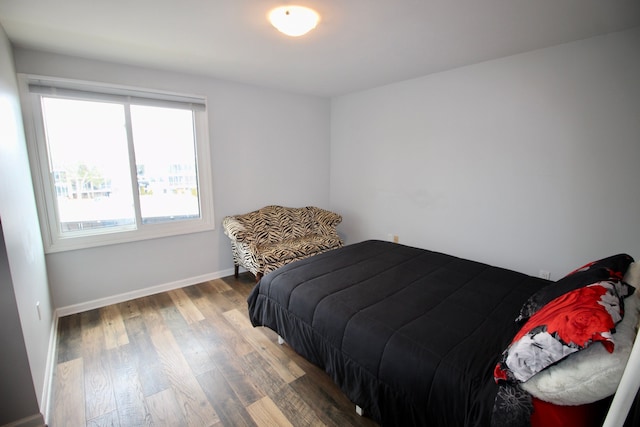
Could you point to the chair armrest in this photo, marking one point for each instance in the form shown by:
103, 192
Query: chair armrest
326, 222
325, 217
235, 230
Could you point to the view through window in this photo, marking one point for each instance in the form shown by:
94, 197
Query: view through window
119, 165
90, 163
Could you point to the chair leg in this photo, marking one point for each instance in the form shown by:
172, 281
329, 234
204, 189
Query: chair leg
237, 270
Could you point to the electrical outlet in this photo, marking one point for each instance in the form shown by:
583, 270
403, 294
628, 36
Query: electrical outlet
544, 274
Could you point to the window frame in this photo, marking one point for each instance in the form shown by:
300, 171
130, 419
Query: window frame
43, 181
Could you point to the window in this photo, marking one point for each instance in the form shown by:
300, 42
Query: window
115, 164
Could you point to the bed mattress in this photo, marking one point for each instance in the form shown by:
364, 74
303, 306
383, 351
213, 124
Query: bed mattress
410, 335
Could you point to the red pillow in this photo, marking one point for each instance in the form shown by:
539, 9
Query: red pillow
565, 325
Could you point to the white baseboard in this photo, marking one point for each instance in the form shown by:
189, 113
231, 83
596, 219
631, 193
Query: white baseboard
33, 421
45, 403
127, 296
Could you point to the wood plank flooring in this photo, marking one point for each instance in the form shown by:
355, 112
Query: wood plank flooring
187, 357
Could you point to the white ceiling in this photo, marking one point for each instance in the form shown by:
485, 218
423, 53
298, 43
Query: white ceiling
358, 44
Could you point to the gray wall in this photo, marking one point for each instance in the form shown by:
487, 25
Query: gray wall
24, 335
267, 147
528, 162
525, 162
17, 395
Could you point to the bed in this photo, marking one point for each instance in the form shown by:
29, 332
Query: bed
411, 336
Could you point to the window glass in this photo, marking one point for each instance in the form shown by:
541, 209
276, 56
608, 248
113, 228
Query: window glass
89, 163
165, 163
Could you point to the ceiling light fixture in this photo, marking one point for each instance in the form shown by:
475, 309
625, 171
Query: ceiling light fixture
294, 21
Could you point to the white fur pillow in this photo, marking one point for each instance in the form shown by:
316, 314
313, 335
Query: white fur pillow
632, 276
593, 373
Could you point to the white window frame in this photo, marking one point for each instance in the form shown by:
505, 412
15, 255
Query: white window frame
43, 183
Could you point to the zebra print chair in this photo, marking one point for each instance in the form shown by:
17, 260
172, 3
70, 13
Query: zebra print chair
273, 236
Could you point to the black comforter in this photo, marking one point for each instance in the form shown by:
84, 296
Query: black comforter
412, 336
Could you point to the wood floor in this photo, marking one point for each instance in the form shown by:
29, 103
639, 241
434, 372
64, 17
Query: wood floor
187, 357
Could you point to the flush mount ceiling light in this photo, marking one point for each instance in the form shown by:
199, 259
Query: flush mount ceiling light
294, 21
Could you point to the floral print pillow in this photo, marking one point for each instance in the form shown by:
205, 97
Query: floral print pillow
567, 324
